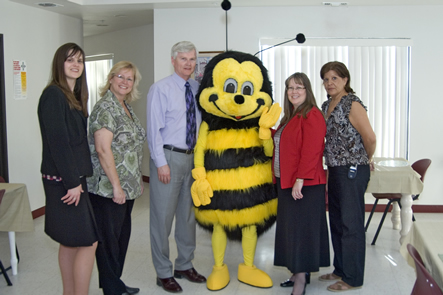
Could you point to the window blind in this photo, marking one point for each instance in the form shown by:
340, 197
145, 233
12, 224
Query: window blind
380, 77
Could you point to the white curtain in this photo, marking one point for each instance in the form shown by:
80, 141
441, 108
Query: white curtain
97, 69
380, 71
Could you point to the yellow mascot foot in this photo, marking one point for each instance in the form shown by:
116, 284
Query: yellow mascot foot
253, 276
219, 278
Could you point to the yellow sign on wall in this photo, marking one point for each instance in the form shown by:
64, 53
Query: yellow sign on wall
20, 80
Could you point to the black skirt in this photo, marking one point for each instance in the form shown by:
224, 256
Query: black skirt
69, 225
301, 236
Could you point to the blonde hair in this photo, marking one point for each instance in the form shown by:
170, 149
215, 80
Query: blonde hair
134, 94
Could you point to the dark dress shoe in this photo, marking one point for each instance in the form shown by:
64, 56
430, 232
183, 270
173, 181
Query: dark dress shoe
169, 285
132, 291
287, 283
190, 274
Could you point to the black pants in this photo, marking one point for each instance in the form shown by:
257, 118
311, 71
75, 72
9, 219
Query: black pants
114, 226
347, 222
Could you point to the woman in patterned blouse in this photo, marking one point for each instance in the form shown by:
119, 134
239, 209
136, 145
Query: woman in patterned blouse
350, 144
116, 139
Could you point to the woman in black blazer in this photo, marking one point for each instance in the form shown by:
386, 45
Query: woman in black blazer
66, 160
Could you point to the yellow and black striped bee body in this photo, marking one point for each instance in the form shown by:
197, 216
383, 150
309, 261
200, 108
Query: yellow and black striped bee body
233, 192
240, 175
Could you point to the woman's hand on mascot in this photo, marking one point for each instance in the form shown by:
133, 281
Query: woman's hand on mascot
267, 120
201, 190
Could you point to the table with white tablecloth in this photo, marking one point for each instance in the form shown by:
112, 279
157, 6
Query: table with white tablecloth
395, 175
427, 238
15, 215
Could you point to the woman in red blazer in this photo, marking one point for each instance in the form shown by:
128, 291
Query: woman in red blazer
301, 238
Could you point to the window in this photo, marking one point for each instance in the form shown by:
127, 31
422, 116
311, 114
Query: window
380, 75
97, 68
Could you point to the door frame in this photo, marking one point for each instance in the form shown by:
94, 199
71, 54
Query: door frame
4, 171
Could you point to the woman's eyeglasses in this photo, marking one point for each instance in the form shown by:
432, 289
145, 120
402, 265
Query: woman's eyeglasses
123, 78
298, 89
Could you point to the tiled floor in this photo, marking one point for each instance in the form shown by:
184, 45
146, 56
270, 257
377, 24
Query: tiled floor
38, 273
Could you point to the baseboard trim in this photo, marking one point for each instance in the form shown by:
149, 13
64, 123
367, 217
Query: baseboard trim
38, 212
415, 208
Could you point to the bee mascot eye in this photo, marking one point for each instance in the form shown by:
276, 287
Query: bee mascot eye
247, 88
233, 191
230, 86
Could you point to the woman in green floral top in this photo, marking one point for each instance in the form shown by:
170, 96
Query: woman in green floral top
116, 139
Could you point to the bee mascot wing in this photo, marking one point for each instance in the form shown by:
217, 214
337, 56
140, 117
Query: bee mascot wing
201, 190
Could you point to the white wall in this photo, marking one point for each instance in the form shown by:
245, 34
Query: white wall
36, 41
206, 29
32, 35
135, 45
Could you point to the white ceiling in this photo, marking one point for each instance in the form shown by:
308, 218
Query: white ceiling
102, 16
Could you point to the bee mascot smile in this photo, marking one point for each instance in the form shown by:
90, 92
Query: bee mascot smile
233, 191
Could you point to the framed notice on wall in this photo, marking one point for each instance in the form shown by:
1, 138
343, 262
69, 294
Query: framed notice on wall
202, 60
20, 82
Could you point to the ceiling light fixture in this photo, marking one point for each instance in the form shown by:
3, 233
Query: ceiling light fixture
49, 4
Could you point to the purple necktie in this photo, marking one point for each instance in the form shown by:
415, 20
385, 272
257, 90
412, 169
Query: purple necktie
191, 125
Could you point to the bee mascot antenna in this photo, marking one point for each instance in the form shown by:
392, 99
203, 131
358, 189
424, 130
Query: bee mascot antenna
226, 5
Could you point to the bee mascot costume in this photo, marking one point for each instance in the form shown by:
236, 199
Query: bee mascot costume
233, 191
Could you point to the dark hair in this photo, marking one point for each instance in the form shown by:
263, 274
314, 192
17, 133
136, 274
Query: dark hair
306, 106
341, 70
79, 98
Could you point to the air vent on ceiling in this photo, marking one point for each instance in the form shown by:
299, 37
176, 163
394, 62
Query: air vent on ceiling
335, 4
102, 24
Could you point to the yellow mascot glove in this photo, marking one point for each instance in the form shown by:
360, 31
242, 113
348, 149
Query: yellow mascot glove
268, 120
201, 190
